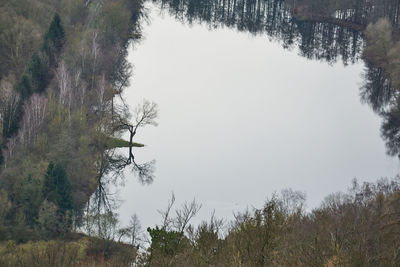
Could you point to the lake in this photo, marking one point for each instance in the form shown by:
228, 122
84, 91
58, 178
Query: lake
241, 118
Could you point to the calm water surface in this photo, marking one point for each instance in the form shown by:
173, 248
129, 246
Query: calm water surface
242, 118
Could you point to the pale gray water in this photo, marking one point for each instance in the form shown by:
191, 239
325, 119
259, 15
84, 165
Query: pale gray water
240, 118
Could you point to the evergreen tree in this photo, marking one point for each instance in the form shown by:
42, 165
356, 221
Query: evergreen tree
64, 194
24, 87
57, 188
49, 186
38, 72
35, 79
58, 200
54, 40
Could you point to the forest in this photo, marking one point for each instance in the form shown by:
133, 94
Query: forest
63, 119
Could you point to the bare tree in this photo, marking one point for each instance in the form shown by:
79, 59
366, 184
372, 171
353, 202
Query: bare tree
10, 107
182, 216
6, 88
79, 90
144, 171
34, 115
165, 214
95, 54
185, 214
64, 85
135, 230
101, 88
10, 148
144, 114
292, 201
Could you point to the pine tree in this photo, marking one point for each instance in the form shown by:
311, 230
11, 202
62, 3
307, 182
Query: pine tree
35, 79
49, 186
38, 72
54, 40
24, 87
57, 188
64, 194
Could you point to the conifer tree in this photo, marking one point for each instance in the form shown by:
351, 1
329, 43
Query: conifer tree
24, 87
64, 194
49, 186
38, 72
57, 188
54, 40
35, 79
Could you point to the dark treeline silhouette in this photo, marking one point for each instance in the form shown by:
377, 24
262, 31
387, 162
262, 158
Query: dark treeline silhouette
321, 29
360, 12
315, 40
354, 228
377, 89
331, 31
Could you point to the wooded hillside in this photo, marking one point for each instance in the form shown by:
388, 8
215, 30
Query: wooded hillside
63, 64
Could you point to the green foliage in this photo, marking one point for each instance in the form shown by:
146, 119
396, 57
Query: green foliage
57, 188
117, 143
164, 242
55, 35
49, 185
30, 197
115, 22
24, 87
40, 67
5, 206
36, 78
356, 228
38, 70
51, 253
56, 210
19, 38
48, 219
72, 143
44, 198
54, 40
74, 12
62, 254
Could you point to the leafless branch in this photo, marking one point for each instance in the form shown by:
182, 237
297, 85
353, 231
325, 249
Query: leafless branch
34, 115
165, 213
184, 215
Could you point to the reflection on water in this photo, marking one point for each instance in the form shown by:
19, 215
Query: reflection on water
315, 40
241, 117
377, 90
322, 30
